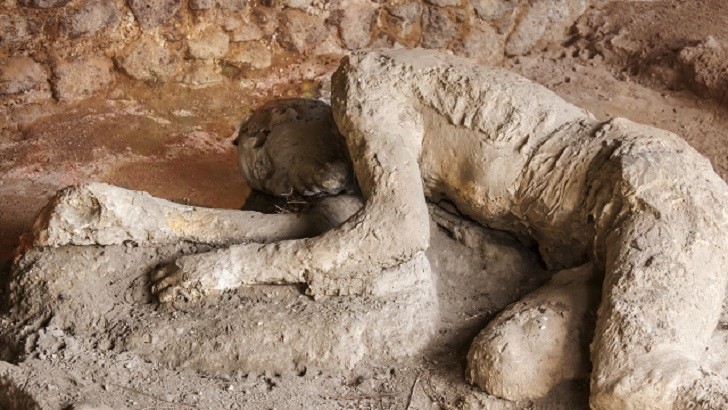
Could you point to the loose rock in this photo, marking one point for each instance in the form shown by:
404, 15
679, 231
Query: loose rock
266, 18
705, 67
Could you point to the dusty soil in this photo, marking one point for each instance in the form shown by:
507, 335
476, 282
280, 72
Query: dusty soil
175, 142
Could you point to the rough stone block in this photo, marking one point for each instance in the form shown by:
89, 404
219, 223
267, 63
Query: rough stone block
444, 3
91, 18
409, 12
493, 9
541, 20
153, 13
202, 4
402, 21
438, 29
223, 4
14, 30
247, 32
209, 46
81, 78
148, 60
253, 54
203, 75
267, 19
232, 4
298, 4
301, 32
354, 20
22, 74
43, 4
482, 43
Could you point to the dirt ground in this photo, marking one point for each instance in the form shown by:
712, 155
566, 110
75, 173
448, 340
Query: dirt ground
621, 59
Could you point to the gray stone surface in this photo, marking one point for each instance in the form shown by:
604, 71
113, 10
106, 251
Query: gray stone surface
106, 215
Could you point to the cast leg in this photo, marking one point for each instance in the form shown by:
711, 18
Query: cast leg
539, 341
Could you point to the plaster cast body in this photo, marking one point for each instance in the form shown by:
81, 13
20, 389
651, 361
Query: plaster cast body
638, 202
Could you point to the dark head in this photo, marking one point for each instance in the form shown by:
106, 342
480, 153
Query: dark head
293, 147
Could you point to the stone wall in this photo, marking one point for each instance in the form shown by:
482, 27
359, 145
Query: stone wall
67, 50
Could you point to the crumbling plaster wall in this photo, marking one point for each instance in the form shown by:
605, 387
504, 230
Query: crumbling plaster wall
67, 50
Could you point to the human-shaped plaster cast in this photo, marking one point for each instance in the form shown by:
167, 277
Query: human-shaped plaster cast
639, 203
